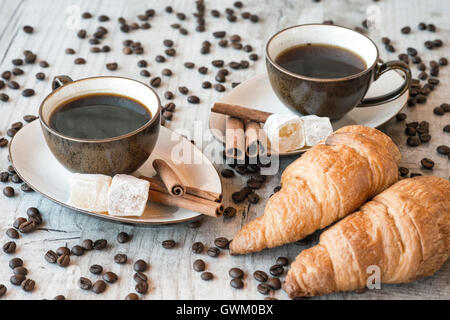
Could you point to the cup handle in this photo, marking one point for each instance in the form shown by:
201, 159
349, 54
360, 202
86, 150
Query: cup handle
380, 69
59, 81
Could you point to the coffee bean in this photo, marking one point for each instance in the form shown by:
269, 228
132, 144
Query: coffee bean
168, 244
96, 269
77, 250
112, 66
11, 132
189, 65
197, 247
20, 270
155, 82
427, 163
120, 258
110, 277
236, 273
207, 276
100, 244
141, 287
403, 171
51, 256
217, 63
263, 288
213, 252
445, 150
203, 70
17, 72
219, 34
9, 247
99, 286
4, 176
406, 30
12, 233
87, 244
400, 116
223, 43
431, 27
132, 296
260, 276
4, 97
13, 85
219, 87
229, 213
62, 251
253, 198
28, 29
140, 266
82, 34
274, 283
446, 128
17, 279
59, 297
139, 277
15, 262
145, 73
413, 141
438, 111
166, 72
63, 261
123, 237
443, 61
438, 43
221, 242
199, 265
415, 175
170, 52
424, 138
193, 99
84, 283
183, 90
237, 283
17, 62
3, 290
227, 173
276, 270
410, 131
283, 261
16, 179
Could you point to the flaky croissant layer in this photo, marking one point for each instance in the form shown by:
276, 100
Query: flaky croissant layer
328, 182
404, 233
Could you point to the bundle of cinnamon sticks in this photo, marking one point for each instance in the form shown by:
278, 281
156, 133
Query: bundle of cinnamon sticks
171, 191
243, 132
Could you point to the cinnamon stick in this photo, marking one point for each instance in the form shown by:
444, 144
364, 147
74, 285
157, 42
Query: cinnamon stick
169, 177
255, 139
235, 138
240, 112
207, 207
193, 191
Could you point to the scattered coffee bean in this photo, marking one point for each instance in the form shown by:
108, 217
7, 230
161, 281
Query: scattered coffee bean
274, 283
4, 176
96, 269
110, 277
427, 163
438, 111
140, 266
236, 273
4, 97
263, 288
28, 29
400, 116
237, 283
155, 82
62, 251
15, 262
141, 287
20, 270
123, 237
100, 244
120, 258
219, 87
283, 261
424, 138
189, 65
443, 61
199, 265
207, 276
403, 171
260, 276
193, 99
17, 279
51, 256
406, 30
112, 66
197, 247
139, 277
12, 233
276, 270
9, 247
221, 242
445, 150
63, 261
132, 296
79, 61
253, 198
99, 286
87, 244
84, 283
168, 244
213, 252
413, 141
77, 250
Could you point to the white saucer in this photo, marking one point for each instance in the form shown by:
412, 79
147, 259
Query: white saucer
37, 166
257, 93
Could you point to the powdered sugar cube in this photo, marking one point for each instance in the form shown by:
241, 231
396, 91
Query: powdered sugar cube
89, 191
127, 196
316, 129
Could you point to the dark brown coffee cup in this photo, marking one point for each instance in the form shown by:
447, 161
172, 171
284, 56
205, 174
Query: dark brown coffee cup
331, 98
122, 154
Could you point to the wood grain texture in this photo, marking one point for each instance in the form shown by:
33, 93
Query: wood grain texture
170, 273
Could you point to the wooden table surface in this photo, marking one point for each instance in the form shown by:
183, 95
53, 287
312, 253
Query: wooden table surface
171, 275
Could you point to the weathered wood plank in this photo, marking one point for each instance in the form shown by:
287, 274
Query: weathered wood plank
171, 275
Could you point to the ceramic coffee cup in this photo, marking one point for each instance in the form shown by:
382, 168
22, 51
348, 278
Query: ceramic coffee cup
122, 154
331, 98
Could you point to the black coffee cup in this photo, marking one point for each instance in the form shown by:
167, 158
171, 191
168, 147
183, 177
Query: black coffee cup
334, 97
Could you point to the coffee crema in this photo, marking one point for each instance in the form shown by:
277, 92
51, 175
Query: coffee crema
321, 61
99, 116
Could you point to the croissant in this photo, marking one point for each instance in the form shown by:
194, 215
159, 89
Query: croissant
328, 182
404, 231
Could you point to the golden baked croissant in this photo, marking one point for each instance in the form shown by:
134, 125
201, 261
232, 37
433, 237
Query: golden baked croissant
328, 182
404, 231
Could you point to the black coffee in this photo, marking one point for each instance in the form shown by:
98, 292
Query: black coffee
321, 61
99, 116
